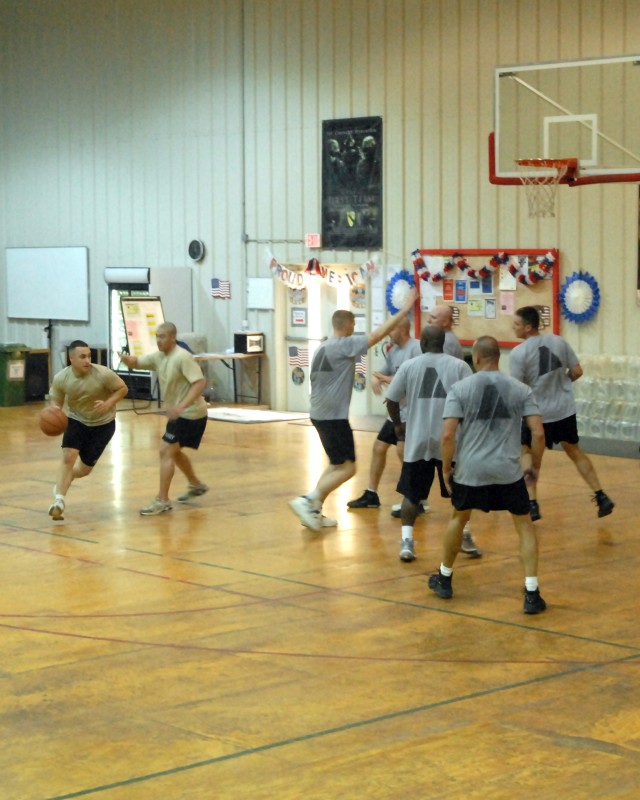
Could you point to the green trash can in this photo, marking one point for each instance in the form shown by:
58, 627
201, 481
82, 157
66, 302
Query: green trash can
13, 358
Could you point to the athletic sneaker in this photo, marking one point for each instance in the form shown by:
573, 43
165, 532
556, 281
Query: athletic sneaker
534, 510
327, 522
441, 585
156, 507
605, 504
309, 516
193, 491
533, 603
56, 509
367, 499
469, 547
407, 550
395, 510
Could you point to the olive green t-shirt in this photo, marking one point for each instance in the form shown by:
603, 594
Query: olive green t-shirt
79, 393
176, 370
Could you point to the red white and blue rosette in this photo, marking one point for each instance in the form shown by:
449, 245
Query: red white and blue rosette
398, 290
579, 297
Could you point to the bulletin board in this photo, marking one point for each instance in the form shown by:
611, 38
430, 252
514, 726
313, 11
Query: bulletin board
142, 316
486, 287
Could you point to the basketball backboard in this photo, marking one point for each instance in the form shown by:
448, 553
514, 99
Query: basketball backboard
584, 109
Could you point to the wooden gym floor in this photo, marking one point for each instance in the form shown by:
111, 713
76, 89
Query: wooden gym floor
221, 651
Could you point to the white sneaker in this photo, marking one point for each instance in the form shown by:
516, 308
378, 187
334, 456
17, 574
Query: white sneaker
309, 516
407, 550
193, 491
56, 509
156, 507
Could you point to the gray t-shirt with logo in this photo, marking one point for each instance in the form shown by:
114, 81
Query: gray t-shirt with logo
425, 382
490, 406
332, 374
452, 345
542, 362
394, 360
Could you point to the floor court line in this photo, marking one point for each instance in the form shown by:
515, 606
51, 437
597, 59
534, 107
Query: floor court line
337, 730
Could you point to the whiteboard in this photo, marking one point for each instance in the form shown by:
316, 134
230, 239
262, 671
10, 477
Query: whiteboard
141, 315
48, 283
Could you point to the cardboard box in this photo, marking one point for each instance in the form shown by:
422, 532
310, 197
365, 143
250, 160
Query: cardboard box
247, 342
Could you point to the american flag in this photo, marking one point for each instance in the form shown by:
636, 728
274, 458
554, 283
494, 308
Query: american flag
361, 364
220, 288
298, 356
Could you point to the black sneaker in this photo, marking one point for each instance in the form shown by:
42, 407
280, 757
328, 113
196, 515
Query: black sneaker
441, 585
367, 499
533, 603
396, 511
534, 510
605, 504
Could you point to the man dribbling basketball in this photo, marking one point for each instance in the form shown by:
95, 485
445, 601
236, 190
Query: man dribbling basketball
91, 392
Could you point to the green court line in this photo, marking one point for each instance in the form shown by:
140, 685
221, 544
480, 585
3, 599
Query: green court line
350, 726
391, 601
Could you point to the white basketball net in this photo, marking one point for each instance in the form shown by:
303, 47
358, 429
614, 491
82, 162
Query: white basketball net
541, 190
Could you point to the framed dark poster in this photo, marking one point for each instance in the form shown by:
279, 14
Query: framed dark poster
352, 184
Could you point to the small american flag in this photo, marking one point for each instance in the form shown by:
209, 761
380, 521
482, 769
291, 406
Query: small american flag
220, 288
361, 365
298, 357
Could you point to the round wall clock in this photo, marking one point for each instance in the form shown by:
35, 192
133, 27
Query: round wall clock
196, 250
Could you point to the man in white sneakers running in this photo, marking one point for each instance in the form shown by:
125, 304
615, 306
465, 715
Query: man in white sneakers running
332, 375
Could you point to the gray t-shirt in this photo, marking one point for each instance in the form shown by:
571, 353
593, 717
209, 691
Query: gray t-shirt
332, 374
452, 346
490, 406
542, 362
425, 382
395, 358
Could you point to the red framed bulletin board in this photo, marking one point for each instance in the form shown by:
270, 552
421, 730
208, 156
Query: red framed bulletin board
486, 287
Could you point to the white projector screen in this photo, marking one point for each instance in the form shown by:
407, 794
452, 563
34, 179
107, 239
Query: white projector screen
48, 283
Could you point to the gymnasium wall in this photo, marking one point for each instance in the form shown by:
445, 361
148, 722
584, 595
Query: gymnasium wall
133, 127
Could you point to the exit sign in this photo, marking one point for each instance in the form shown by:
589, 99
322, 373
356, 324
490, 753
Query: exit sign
312, 240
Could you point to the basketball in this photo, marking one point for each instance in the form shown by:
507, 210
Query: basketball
53, 421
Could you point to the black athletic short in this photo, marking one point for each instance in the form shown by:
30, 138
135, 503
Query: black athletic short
512, 497
564, 430
417, 477
89, 440
337, 439
185, 432
388, 433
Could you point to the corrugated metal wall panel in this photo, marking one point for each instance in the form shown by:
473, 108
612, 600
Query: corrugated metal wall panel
134, 127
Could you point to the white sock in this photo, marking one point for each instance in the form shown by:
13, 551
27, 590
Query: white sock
314, 497
373, 491
448, 571
531, 583
407, 532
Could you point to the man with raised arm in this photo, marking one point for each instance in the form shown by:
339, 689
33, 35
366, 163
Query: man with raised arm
332, 375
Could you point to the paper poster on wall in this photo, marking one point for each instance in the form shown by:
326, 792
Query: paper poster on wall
299, 317
490, 308
508, 282
448, 290
475, 307
461, 291
507, 300
142, 316
352, 183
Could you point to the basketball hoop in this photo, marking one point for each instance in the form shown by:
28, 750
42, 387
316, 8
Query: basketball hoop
542, 189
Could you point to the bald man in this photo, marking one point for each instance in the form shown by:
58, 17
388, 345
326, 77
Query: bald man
181, 384
442, 316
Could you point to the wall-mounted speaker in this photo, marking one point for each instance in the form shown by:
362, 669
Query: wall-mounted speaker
36, 375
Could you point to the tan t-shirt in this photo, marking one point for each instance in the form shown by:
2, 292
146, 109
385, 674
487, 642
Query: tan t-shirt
176, 370
79, 393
